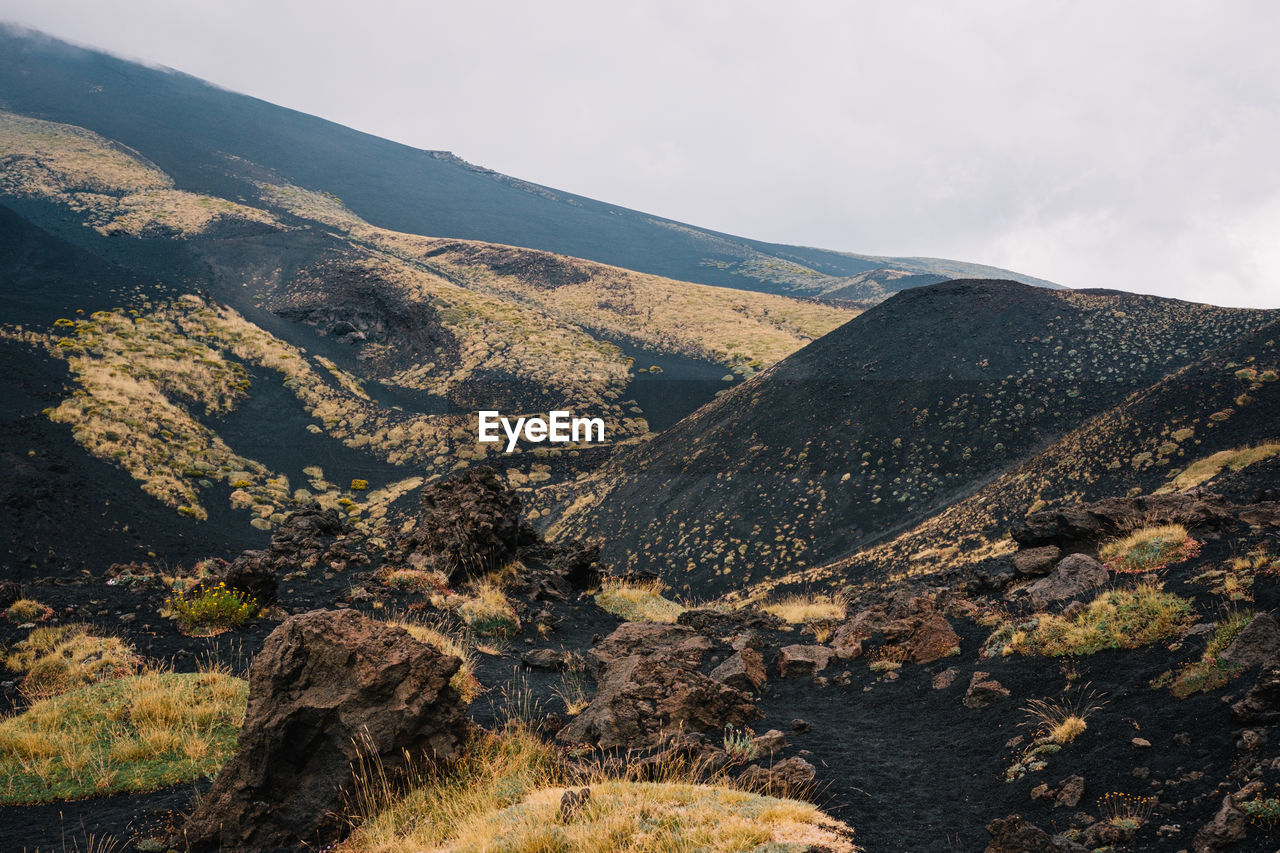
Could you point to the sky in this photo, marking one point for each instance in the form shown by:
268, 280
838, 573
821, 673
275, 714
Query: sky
1130, 145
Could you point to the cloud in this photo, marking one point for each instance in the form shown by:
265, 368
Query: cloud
1095, 144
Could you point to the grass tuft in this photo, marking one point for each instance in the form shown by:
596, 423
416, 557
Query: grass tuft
1149, 549
638, 601
1204, 470
797, 609
26, 610
62, 657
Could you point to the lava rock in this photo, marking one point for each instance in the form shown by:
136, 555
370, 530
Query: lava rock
1228, 826
983, 691
1033, 562
1074, 575
1261, 705
324, 682
800, 661
743, 669
640, 698
1258, 643
1015, 834
648, 638
544, 659
470, 525
932, 638
791, 778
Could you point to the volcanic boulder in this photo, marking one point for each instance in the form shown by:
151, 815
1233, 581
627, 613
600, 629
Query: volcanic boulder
1074, 575
328, 688
649, 685
470, 525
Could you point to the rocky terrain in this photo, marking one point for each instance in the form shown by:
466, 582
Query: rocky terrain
878, 556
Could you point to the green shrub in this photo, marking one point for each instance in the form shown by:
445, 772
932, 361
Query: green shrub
212, 610
1119, 619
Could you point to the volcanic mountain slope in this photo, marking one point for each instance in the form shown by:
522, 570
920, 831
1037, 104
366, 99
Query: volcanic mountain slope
268, 351
915, 404
212, 141
1194, 428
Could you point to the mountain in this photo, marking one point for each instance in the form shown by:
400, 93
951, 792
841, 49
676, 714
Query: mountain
904, 411
216, 142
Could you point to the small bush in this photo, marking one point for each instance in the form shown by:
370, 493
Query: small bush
638, 601
212, 610
1119, 619
417, 580
60, 658
359, 485
1149, 549
26, 610
738, 745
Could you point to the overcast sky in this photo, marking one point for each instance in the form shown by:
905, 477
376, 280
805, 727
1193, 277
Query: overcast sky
1098, 144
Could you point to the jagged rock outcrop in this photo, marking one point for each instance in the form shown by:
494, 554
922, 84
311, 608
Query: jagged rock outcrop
744, 670
649, 685
800, 661
309, 537
1077, 528
1258, 643
327, 688
470, 525
793, 777
1261, 705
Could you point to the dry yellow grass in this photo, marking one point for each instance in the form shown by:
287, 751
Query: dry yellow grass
740, 329
798, 609
638, 601
1148, 549
26, 610
486, 609
1203, 470
137, 733
115, 188
505, 795
62, 657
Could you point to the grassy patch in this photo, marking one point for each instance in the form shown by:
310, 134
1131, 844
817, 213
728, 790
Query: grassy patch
506, 795
1119, 619
487, 610
1209, 672
137, 733
1149, 549
797, 609
62, 657
1203, 470
638, 601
